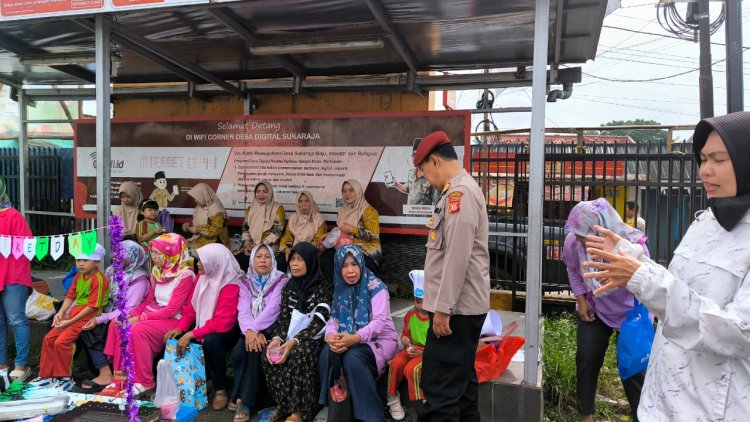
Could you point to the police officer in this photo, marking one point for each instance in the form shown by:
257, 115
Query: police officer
456, 286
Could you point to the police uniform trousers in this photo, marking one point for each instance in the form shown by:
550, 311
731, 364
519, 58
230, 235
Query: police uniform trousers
449, 380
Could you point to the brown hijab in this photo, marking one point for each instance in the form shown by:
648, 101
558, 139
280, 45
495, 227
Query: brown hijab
208, 204
260, 217
129, 214
352, 213
302, 226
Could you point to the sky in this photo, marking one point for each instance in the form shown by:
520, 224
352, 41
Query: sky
632, 56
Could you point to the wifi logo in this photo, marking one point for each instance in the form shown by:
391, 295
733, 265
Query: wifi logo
93, 158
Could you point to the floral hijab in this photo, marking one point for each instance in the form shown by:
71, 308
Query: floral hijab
135, 267
352, 303
258, 284
174, 250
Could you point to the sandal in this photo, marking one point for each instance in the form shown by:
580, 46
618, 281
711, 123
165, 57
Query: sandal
88, 387
233, 406
242, 414
16, 375
322, 416
220, 400
275, 415
294, 417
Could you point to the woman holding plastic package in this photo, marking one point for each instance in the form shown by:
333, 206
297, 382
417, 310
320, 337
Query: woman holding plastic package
358, 220
599, 316
699, 367
291, 361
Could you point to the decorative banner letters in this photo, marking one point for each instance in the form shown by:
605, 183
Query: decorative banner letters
5, 242
89, 242
29, 247
75, 245
42, 247
57, 247
17, 247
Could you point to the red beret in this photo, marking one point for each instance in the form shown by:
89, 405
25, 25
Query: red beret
428, 144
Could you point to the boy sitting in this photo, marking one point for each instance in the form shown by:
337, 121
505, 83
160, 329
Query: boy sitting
408, 362
85, 299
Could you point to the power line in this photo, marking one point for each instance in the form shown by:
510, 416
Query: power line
653, 33
640, 107
663, 77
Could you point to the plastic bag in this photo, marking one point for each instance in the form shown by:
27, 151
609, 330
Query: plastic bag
167, 398
331, 238
634, 341
40, 307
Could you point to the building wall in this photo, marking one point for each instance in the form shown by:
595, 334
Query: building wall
354, 102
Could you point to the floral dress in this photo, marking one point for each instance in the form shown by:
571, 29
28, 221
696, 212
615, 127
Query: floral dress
295, 384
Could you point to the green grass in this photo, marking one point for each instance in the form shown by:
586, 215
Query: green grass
559, 352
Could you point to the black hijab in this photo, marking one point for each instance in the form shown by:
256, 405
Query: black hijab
301, 288
734, 130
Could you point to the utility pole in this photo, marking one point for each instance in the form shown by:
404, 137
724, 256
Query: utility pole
706, 81
733, 30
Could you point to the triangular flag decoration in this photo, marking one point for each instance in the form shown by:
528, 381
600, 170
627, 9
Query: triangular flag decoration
89, 242
29, 247
42, 247
56, 247
17, 247
5, 246
75, 246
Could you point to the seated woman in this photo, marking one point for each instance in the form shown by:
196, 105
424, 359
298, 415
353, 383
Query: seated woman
265, 220
358, 220
305, 225
172, 282
292, 376
360, 335
130, 199
94, 334
259, 308
209, 223
213, 309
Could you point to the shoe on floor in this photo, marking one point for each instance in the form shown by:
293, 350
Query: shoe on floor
16, 375
63, 384
42, 382
395, 408
112, 390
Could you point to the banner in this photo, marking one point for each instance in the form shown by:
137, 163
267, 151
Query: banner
231, 154
40, 246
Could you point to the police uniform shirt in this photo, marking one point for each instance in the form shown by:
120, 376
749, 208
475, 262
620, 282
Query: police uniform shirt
457, 279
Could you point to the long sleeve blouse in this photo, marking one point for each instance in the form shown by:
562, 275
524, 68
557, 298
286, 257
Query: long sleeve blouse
271, 307
380, 334
137, 290
224, 318
150, 308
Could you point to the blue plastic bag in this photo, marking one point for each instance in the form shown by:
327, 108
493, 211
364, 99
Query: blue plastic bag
634, 341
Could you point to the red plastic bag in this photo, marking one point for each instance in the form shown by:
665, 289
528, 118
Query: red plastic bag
492, 360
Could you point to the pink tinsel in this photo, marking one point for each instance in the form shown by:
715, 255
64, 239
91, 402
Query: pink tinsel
118, 256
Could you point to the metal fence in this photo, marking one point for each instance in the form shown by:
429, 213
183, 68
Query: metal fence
665, 185
44, 189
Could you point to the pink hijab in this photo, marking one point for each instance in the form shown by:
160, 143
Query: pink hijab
221, 269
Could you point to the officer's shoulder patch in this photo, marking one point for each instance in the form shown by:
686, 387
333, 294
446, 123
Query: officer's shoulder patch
454, 202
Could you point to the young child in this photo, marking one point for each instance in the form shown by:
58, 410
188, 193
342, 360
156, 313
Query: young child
148, 227
86, 299
408, 362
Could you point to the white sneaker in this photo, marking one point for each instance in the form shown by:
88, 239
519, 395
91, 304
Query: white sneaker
63, 384
394, 406
42, 382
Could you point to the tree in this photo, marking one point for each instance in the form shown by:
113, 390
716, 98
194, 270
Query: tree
649, 136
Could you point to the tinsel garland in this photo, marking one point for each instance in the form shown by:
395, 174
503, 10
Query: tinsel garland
116, 232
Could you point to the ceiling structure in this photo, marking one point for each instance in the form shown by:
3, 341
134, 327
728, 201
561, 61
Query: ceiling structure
304, 46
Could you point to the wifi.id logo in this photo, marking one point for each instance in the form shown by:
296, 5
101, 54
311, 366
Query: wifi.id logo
93, 158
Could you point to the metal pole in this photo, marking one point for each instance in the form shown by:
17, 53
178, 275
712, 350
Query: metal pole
536, 192
23, 154
706, 80
735, 90
103, 150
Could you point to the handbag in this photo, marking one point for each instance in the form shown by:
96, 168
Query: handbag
189, 373
634, 341
39, 306
339, 399
300, 321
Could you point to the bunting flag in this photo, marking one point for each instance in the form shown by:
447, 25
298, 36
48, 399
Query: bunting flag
57, 247
29, 247
75, 246
42, 247
88, 242
54, 246
5, 246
